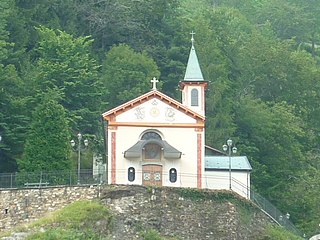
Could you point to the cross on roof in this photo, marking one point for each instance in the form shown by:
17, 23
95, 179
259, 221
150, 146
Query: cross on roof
192, 38
154, 82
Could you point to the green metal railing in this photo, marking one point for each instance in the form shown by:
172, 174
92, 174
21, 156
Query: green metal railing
44, 179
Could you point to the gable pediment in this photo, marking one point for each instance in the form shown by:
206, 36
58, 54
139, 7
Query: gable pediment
154, 107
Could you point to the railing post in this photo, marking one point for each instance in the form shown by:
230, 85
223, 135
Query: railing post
11, 183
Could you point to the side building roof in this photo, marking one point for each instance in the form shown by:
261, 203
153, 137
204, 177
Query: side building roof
238, 163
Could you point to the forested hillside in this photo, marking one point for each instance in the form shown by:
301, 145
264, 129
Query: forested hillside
63, 63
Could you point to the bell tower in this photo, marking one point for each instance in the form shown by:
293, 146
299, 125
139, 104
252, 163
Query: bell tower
193, 85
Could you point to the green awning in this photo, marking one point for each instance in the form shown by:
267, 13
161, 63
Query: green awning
169, 152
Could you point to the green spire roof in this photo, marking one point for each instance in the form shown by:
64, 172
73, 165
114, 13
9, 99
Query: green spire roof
193, 71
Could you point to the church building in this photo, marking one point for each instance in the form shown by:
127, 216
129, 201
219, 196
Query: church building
156, 140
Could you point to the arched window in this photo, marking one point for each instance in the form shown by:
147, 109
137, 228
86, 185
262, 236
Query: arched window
151, 135
131, 174
173, 175
194, 97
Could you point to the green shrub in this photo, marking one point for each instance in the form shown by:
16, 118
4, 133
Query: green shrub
279, 233
151, 235
82, 211
64, 234
75, 221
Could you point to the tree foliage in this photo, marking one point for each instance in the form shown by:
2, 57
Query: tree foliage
47, 147
127, 74
65, 63
261, 58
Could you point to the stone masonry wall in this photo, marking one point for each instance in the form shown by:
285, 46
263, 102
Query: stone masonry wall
24, 205
138, 208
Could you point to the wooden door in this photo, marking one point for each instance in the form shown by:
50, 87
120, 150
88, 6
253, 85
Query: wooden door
152, 175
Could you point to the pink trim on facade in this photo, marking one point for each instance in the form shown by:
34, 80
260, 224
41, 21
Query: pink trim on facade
202, 99
199, 160
113, 157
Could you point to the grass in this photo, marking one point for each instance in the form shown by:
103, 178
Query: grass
80, 220
75, 214
65, 234
279, 233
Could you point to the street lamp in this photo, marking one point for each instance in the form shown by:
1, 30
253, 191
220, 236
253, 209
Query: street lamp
287, 215
79, 149
229, 147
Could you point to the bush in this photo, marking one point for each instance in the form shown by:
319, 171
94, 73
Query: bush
279, 233
64, 234
151, 235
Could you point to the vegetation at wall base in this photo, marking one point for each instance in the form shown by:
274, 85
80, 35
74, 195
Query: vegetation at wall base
76, 221
216, 195
279, 233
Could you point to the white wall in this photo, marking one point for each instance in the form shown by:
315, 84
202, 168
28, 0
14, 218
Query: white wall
186, 98
240, 181
126, 137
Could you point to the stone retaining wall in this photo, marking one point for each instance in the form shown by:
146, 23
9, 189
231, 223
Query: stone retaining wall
24, 205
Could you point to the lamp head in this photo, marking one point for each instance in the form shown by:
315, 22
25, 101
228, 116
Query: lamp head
72, 142
229, 142
234, 150
86, 142
225, 147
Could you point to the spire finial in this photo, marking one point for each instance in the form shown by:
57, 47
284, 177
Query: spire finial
154, 82
192, 38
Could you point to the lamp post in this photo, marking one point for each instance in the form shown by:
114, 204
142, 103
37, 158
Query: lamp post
229, 147
79, 149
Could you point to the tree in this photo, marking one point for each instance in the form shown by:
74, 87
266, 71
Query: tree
303, 198
12, 118
270, 135
65, 63
47, 147
127, 74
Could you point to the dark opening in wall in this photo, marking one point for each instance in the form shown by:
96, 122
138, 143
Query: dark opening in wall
173, 175
131, 174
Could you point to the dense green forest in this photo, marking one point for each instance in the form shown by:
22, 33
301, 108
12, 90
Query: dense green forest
63, 63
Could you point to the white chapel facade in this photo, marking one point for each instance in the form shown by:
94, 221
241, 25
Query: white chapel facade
156, 140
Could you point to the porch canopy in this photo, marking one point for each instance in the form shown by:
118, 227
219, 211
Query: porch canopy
169, 152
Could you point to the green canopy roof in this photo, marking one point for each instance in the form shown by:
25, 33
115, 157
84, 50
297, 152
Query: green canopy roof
169, 152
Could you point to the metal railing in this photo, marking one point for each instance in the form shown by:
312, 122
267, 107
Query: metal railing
43, 179
276, 215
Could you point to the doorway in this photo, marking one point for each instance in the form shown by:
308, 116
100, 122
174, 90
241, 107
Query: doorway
152, 175
152, 167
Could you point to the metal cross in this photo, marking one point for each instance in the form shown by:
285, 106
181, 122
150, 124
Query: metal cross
154, 82
192, 38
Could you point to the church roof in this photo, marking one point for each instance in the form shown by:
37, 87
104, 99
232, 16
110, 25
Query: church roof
238, 163
147, 96
210, 151
193, 71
